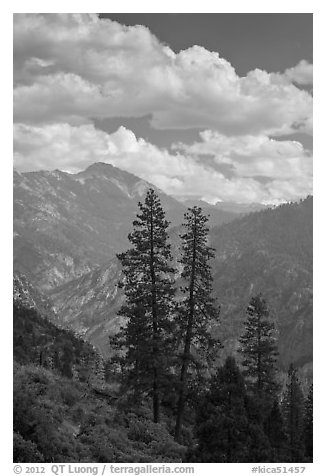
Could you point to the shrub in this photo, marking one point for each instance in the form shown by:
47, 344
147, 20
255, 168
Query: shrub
25, 451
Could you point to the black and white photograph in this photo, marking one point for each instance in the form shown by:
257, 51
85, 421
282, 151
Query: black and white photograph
162, 240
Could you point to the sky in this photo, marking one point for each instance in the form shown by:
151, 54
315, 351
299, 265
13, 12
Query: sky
216, 106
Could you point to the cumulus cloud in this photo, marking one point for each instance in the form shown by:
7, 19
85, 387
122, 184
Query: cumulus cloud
77, 67
302, 73
254, 156
70, 69
73, 148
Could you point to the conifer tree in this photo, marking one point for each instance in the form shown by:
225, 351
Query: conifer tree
134, 350
259, 351
197, 309
149, 289
274, 429
308, 425
293, 411
226, 428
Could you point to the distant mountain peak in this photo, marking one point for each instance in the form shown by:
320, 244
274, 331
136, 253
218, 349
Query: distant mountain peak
104, 169
66, 224
131, 185
97, 167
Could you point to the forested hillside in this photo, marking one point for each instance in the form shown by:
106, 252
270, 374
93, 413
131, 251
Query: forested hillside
205, 373
268, 251
64, 410
70, 406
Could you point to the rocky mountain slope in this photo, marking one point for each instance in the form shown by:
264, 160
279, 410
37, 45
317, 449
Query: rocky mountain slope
66, 225
27, 296
268, 252
89, 304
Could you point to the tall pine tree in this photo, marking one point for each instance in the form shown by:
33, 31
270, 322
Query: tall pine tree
149, 289
197, 309
293, 411
308, 425
259, 351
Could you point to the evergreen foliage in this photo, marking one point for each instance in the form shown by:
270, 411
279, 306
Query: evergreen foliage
275, 431
38, 341
259, 351
197, 310
269, 252
69, 405
59, 420
293, 411
308, 425
227, 428
148, 286
25, 451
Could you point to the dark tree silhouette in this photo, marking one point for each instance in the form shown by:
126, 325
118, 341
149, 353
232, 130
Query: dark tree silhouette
149, 291
259, 351
308, 425
227, 427
274, 429
293, 411
197, 310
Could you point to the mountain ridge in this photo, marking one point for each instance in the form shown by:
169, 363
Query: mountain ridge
66, 225
69, 227
243, 266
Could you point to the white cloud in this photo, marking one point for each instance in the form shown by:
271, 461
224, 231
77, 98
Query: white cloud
254, 156
73, 148
72, 68
302, 73
77, 67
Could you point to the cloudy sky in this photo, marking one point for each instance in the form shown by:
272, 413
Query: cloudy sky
217, 106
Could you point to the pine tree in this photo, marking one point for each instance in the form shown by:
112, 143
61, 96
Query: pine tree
308, 425
259, 351
274, 429
226, 426
293, 411
197, 310
134, 342
149, 291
